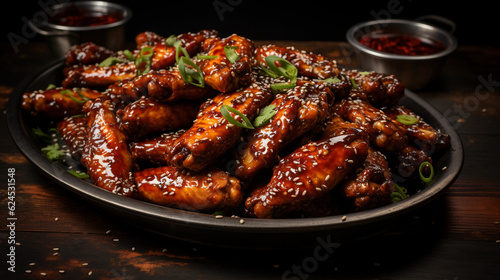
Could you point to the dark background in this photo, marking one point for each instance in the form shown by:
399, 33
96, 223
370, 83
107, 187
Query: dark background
280, 20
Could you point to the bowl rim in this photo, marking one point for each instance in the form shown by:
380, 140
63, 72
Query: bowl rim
350, 36
127, 15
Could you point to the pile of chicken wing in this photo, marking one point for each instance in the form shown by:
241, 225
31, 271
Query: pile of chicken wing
145, 129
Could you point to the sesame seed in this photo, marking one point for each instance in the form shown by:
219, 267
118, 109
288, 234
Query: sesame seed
43, 273
27, 271
242, 221
61, 271
344, 218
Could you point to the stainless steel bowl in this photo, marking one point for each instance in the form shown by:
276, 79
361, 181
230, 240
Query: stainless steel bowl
61, 37
415, 72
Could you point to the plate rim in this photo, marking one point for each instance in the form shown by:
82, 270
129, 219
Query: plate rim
185, 218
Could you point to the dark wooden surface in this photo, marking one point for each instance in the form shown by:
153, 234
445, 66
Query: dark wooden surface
457, 236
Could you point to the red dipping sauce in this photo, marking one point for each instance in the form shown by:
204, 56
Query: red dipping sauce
74, 16
402, 45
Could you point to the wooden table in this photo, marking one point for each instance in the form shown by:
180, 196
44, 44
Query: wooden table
457, 236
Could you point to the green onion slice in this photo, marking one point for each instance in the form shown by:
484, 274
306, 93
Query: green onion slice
192, 73
130, 56
277, 87
399, 193
353, 82
333, 80
110, 61
170, 41
224, 110
70, 94
179, 49
143, 62
81, 175
286, 68
407, 119
202, 56
51, 86
265, 115
231, 53
424, 179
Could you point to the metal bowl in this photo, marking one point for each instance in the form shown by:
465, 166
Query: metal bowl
414, 71
61, 37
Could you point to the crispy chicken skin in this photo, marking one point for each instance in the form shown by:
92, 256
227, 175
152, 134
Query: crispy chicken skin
208, 191
211, 134
381, 90
306, 174
154, 150
385, 135
299, 110
57, 102
73, 131
308, 64
421, 134
220, 73
146, 117
86, 54
106, 155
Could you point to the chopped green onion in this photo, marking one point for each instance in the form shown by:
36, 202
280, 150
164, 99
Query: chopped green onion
407, 119
130, 56
268, 72
81, 175
170, 41
225, 113
333, 80
70, 94
110, 61
143, 62
50, 86
265, 115
424, 179
399, 193
231, 53
353, 82
42, 136
286, 68
364, 73
179, 49
191, 73
201, 56
277, 87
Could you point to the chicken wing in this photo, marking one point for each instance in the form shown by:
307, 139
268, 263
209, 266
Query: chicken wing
211, 134
106, 155
421, 133
154, 150
209, 191
385, 135
146, 117
381, 90
99, 77
220, 73
308, 64
306, 174
57, 102
298, 111
86, 54
73, 131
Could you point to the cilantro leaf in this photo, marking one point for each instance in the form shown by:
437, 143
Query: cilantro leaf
53, 152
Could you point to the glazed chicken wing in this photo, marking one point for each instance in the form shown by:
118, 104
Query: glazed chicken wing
421, 133
86, 54
73, 131
308, 64
381, 90
306, 174
95, 76
145, 117
298, 111
211, 134
220, 73
106, 155
385, 135
155, 150
209, 191
57, 102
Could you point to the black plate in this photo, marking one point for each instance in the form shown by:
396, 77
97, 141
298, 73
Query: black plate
228, 231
